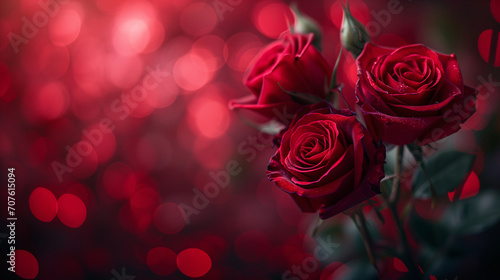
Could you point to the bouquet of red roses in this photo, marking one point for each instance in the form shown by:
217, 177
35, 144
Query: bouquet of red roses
337, 156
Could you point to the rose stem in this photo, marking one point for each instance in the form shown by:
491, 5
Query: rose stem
396, 183
316, 227
393, 201
367, 240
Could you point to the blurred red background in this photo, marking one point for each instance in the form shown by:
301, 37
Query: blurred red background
113, 113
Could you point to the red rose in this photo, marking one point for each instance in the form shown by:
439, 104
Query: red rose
411, 94
296, 65
327, 160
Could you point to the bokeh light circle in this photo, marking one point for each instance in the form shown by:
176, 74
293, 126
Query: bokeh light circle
88, 68
272, 19
399, 265
143, 109
46, 103
144, 202
83, 192
53, 61
495, 9
135, 28
209, 117
156, 34
83, 158
485, 42
102, 138
164, 95
198, 19
71, 210
168, 218
131, 36
191, 72
122, 71
43, 204
64, 27
119, 181
212, 48
52, 101
241, 49
194, 262
215, 246
162, 261
26, 265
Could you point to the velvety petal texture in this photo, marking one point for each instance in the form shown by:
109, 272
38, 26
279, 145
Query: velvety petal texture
411, 94
327, 160
290, 64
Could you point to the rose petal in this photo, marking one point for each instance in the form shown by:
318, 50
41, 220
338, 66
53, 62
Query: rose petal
367, 189
451, 70
340, 167
263, 64
278, 111
402, 53
397, 130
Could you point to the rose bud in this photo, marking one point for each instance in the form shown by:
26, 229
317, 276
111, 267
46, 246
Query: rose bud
327, 160
306, 25
288, 74
353, 34
411, 94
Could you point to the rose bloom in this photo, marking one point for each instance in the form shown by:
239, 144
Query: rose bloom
290, 64
411, 94
327, 160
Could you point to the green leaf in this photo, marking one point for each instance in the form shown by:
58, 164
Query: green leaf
316, 227
428, 232
464, 217
333, 232
418, 154
272, 127
443, 267
333, 79
473, 215
386, 189
445, 241
446, 171
360, 269
301, 98
390, 159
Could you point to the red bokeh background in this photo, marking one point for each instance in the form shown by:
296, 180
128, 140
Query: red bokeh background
113, 113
